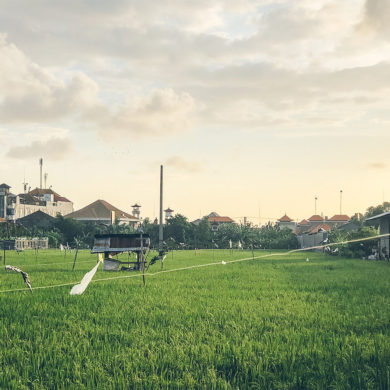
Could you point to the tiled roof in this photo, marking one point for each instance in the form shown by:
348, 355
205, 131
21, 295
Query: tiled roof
304, 222
340, 218
2, 220
100, 209
220, 219
168, 210
4, 186
285, 218
315, 218
316, 228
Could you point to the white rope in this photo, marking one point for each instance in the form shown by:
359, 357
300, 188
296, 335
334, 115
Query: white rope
206, 265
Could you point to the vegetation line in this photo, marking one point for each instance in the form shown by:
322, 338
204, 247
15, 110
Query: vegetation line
204, 265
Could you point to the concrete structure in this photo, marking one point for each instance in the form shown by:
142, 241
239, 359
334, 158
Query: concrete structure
101, 211
136, 210
168, 213
314, 236
13, 207
383, 221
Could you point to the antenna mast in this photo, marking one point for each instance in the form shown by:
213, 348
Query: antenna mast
40, 172
341, 201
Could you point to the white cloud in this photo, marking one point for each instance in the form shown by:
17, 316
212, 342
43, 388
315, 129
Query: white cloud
30, 93
53, 148
184, 165
162, 112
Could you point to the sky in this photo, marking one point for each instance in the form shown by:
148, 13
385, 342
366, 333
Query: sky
254, 108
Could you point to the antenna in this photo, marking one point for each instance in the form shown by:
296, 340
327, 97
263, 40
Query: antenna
315, 205
40, 172
45, 177
341, 201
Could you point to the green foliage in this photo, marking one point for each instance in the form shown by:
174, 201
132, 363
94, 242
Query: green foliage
277, 322
375, 210
354, 249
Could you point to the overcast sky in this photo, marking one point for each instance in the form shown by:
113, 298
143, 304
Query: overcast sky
253, 107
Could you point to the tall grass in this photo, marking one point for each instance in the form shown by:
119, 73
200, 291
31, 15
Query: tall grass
272, 323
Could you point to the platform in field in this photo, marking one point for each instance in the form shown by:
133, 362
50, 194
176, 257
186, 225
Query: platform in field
117, 243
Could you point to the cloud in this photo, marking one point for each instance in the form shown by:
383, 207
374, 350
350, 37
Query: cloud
376, 18
162, 112
53, 148
377, 165
30, 93
179, 163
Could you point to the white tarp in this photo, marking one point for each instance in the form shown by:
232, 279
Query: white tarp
78, 289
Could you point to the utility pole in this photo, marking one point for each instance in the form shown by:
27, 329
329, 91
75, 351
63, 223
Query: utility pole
315, 205
160, 228
40, 172
341, 201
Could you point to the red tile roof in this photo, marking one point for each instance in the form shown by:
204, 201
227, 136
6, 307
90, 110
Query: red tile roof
2, 220
316, 228
340, 218
304, 222
220, 219
285, 218
316, 218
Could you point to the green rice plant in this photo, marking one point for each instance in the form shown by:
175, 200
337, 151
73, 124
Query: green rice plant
272, 322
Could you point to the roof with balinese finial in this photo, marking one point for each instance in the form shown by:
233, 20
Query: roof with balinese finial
285, 218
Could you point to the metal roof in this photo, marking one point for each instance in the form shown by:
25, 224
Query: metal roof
378, 216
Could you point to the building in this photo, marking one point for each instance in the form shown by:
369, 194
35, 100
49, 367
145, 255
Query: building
168, 213
286, 222
338, 220
38, 219
216, 221
383, 221
311, 236
101, 211
13, 207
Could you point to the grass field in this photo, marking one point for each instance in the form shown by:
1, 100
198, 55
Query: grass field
275, 322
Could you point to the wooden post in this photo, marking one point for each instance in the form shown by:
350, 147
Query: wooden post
75, 257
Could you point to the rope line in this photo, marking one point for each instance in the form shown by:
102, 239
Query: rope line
202, 265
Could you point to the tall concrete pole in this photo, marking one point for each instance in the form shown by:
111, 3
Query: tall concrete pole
40, 172
341, 201
160, 229
315, 206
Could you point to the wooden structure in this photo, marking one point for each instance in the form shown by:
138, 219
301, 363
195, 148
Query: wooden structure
113, 244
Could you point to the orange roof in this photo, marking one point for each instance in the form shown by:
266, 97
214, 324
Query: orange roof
2, 220
304, 222
340, 217
220, 219
315, 218
285, 218
316, 228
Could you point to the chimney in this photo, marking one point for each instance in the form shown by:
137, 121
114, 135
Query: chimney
45, 176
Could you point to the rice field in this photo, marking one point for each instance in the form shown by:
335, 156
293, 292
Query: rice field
276, 322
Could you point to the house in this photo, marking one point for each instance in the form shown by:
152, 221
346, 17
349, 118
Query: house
337, 220
38, 219
311, 236
13, 207
286, 222
216, 221
383, 221
101, 211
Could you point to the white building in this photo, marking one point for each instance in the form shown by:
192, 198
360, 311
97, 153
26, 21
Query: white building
13, 207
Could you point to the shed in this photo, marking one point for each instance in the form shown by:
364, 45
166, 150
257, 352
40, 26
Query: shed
383, 221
